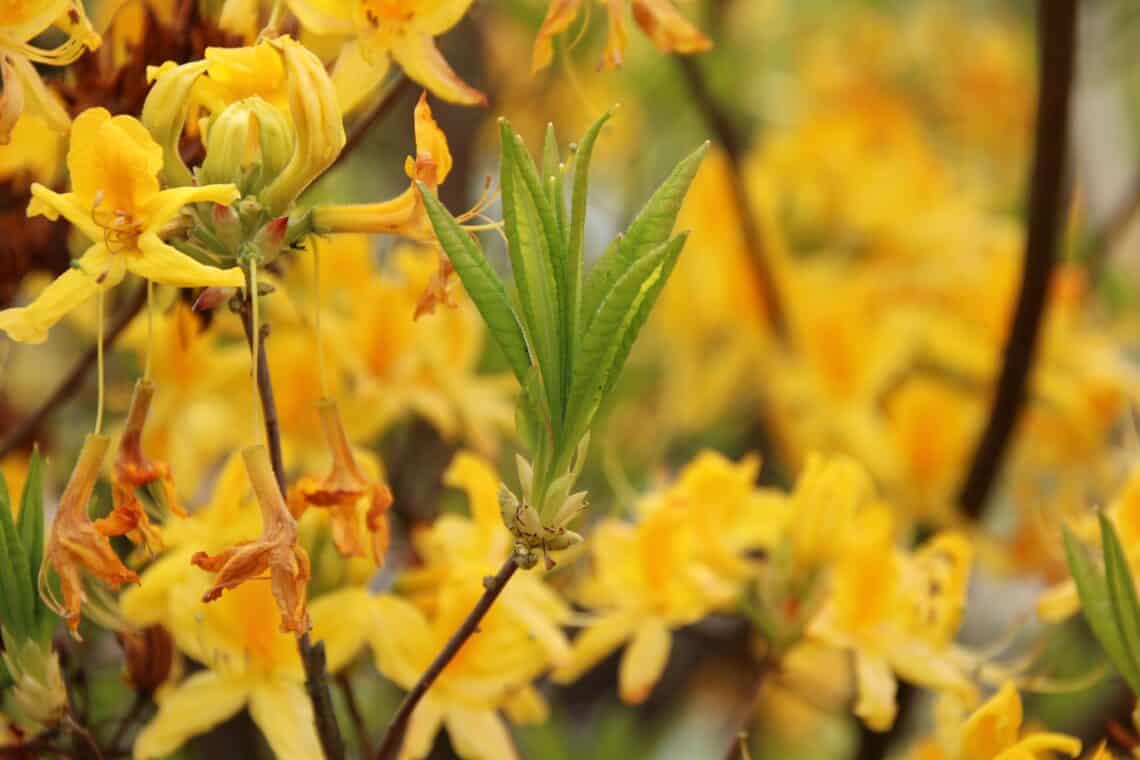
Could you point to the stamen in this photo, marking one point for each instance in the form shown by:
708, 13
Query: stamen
99, 359
317, 322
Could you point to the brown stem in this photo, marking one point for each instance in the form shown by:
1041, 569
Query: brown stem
1057, 29
129, 718
363, 126
71, 382
737, 747
716, 119
362, 741
87, 746
312, 655
493, 586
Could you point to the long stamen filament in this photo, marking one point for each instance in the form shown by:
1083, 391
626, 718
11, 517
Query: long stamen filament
99, 360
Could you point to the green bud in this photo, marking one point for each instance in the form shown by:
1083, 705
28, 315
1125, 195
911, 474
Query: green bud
248, 144
38, 693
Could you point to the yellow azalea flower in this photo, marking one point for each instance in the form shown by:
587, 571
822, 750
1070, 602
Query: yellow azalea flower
995, 732
372, 32
493, 671
249, 663
659, 19
404, 215
20, 22
679, 562
457, 548
897, 613
116, 202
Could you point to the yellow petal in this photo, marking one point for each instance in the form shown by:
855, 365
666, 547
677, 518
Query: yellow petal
559, 16
475, 476
422, 728
166, 205
1059, 602
436, 17
668, 29
431, 141
1042, 744
30, 324
113, 161
357, 80
24, 20
193, 707
158, 262
53, 205
284, 713
601, 637
644, 661
324, 17
875, 686
526, 706
37, 98
422, 61
995, 725
342, 620
617, 37
479, 734
401, 641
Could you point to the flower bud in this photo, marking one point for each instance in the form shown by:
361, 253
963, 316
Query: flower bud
248, 144
164, 114
318, 128
38, 691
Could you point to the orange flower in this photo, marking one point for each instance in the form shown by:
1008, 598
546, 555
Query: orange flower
75, 544
275, 552
342, 491
134, 470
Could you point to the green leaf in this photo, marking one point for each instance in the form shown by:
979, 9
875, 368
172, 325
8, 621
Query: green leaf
612, 329
1098, 610
576, 244
650, 228
1121, 591
648, 301
528, 248
482, 284
18, 611
31, 523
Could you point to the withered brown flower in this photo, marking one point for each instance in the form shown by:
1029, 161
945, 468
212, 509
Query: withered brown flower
276, 551
133, 470
341, 492
75, 545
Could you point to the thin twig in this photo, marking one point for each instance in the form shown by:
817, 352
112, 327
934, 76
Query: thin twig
717, 120
1057, 25
91, 747
362, 740
74, 379
363, 126
493, 586
312, 655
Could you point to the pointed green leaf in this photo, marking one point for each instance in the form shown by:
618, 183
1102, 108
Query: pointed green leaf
1121, 591
31, 522
530, 259
482, 284
1096, 607
18, 611
618, 313
629, 335
577, 235
650, 228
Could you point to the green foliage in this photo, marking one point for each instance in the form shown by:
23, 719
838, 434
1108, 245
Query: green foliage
566, 334
1109, 602
23, 612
